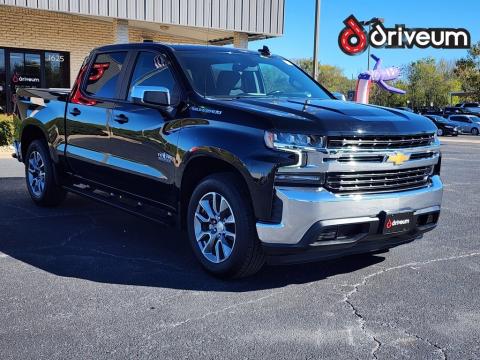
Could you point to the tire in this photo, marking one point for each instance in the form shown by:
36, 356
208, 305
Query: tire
39, 175
210, 236
475, 131
440, 132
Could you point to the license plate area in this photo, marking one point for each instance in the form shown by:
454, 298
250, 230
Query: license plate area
396, 223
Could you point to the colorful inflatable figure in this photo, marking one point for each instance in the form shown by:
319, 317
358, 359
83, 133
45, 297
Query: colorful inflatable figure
378, 76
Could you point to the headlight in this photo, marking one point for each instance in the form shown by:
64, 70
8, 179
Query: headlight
285, 141
300, 179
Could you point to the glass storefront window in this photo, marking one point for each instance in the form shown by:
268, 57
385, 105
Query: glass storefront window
21, 68
56, 75
32, 66
16, 63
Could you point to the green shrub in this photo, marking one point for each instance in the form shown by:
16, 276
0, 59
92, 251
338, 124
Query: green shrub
6, 130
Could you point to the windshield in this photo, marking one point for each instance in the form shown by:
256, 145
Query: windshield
233, 74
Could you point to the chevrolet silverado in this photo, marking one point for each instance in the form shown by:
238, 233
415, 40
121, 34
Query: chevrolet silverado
255, 159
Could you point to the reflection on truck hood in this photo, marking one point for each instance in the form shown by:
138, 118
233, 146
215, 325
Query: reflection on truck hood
334, 117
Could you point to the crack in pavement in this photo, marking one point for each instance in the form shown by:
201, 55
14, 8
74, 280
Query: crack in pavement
413, 265
209, 314
418, 337
428, 342
361, 319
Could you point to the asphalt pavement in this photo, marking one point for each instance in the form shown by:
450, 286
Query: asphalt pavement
85, 281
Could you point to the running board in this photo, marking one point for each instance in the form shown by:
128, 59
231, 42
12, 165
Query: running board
128, 204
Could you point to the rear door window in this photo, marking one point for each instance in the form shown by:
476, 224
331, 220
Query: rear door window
104, 76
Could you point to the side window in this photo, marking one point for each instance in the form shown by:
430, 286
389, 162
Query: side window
154, 70
233, 79
105, 74
455, 118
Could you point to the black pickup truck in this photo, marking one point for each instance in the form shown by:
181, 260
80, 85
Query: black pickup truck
256, 160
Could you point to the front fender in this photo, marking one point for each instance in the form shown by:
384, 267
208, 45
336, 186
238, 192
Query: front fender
240, 146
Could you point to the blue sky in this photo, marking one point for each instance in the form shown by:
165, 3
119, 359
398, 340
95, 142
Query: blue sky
297, 41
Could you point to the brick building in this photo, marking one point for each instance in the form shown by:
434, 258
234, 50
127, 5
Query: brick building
44, 42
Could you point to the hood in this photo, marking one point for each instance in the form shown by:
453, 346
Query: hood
333, 117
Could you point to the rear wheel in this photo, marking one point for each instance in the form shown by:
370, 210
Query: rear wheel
475, 131
39, 176
440, 132
221, 227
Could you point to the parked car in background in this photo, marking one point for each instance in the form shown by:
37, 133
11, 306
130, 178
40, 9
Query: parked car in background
430, 111
444, 126
471, 107
467, 124
404, 108
452, 110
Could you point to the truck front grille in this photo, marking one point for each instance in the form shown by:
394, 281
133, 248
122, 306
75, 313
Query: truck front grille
379, 142
378, 181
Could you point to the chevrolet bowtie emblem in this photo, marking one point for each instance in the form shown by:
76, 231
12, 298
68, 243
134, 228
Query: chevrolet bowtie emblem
398, 158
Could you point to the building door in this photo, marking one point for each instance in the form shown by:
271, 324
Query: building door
24, 71
3, 83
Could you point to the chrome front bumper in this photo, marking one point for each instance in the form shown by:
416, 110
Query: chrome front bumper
306, 207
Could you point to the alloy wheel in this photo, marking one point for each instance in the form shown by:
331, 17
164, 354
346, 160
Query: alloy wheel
215, 229
36, 173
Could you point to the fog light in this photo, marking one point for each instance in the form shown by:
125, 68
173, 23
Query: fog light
328, 234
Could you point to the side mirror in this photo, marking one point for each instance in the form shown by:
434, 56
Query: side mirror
154, 95
339, 96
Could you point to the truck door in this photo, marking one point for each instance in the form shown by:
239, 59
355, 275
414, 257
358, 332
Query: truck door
88, 116
144, 139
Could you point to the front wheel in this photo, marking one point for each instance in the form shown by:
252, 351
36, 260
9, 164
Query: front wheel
475, 131
221, 227
40, 178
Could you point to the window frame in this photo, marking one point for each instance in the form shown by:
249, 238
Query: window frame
125, 88
121, 76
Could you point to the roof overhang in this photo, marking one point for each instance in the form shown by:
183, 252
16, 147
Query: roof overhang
214, 21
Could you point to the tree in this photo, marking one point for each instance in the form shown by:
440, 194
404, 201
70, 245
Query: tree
426, 81
381, 97
430, 82
468, 72
329, 76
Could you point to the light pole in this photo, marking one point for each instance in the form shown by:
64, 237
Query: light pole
316, 39
369, 23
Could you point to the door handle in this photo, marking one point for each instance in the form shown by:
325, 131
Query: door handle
121, 119
75, 112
